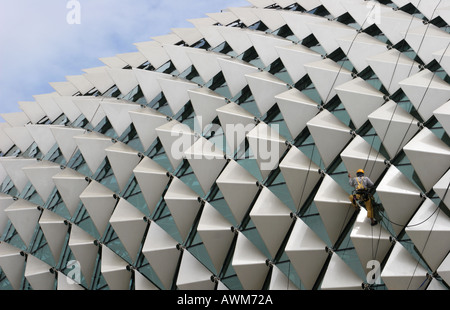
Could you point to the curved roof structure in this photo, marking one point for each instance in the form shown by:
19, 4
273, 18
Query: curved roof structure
216, 157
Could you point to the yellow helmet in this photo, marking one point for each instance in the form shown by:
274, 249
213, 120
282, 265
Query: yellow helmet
360, 171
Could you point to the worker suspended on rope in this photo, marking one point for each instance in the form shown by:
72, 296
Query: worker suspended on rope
361, 194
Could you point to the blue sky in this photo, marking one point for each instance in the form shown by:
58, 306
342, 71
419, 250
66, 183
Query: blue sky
39, 46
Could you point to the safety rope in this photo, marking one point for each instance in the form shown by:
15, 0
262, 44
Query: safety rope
393, 113
389, 86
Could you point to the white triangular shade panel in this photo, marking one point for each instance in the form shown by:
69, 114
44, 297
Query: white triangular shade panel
441, 188
267, 146
245, 15
189, 35
100, 78
5, 142
15, 119
271, 18
442, 58
299, 23
395, 23
402, 271
279, 281
176, 138
64, 138
297, 110
214, 229
426, 91
20, 136
394, 126
427, 39
152, 179
301, 175
38, 274
236, 122
206, 63
371, 242
125, 80
264, 87
429, 231
68, 107
99, 201
326, 75
117, 112
392, 67
85, 251
359, 99
43, 136
146, 120
113, 62
272, 219
322, 30
70, 185
444, 269
360, 47
235, 71
92, 146
334, 207
64, 283
237, 38
335, 8
123, 160
175, 91
238, 187
365, 14
205, 102
153, 52
340, 276
65, 88
359, 154
308, 5
193, 275
24, 215
206, 161
12, 264
329, 134
294, 57
141, 283
429, 156
149, 172
81, 83
32, 110
170, 38
265, 45
114, 270
183, 204
40, 175
178, 56
307, 253
442, 114
161, 252
48, 105
128, 223
400, 198
148, 81
91, 109
5, 202
209, 32
133, 59
54, 230
249, 264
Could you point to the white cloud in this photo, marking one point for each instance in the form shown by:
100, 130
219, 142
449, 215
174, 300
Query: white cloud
38, 45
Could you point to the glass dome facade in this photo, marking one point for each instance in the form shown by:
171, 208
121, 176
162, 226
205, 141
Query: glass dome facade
217, 157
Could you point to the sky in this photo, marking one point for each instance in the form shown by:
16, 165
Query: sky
43, 41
